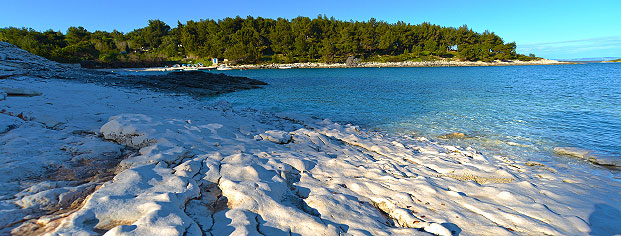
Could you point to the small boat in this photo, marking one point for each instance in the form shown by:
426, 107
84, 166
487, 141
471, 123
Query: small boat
223, 67
284, 67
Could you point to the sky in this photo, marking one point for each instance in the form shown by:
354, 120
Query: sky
548, 28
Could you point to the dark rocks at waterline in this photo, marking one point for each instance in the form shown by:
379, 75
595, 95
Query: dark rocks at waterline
572, 151
587, 155
608, 162
195, 83
16, 63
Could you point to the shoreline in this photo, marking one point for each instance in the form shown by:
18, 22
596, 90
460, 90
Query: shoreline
185, 160
438, 63
126, 160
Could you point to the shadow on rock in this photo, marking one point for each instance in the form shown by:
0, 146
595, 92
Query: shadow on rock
605, 220
455, 230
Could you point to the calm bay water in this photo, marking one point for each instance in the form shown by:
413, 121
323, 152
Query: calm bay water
516, 111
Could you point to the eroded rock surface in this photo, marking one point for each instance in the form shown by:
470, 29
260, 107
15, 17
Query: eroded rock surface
225, 180
48, 172
87, 159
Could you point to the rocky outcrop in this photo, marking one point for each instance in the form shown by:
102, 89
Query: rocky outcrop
352, 61
18, 62
47, 172
196, 83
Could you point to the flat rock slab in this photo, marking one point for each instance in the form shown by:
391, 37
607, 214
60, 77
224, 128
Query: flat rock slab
606, 161
18, 92
16, 61
587, 155
196, 83
572, 151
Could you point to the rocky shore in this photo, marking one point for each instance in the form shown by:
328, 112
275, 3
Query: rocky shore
100, 158
195, 83
439, 63
17, 62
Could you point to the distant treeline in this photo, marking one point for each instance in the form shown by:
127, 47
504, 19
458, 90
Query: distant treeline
259, 40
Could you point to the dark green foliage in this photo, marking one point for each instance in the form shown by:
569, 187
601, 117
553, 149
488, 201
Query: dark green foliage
260, 40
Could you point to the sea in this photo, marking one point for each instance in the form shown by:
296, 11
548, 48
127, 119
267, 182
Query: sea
517, 112
521, 112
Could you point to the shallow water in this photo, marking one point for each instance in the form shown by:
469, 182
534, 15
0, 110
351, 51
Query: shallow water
517, 111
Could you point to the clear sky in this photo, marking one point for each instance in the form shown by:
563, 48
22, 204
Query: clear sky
548, 28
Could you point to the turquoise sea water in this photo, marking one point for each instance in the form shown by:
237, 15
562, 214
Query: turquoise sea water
521, 112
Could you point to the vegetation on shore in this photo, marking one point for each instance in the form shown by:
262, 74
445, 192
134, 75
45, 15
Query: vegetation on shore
259, 40
615, 60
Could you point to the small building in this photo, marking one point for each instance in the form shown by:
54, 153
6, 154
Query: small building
214, 61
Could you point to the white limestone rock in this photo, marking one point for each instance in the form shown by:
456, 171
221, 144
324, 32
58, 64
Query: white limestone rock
129, 129
58, 196
8, 123
275, 136
38, 167
147, 200
210, 176
20, 92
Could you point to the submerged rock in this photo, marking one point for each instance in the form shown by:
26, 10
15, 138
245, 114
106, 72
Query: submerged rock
453, 135
587, 155
534, 163
572, 151
606, 161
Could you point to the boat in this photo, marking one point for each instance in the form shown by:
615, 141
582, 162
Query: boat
223, 67
284, 67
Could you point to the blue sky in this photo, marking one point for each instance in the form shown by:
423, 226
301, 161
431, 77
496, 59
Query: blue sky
548, 28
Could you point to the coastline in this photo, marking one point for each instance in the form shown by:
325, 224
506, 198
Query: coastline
438, 63
135, 161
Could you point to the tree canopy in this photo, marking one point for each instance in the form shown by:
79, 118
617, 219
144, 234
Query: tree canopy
260, 40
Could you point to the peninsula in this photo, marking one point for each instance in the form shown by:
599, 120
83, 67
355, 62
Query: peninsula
262, 41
